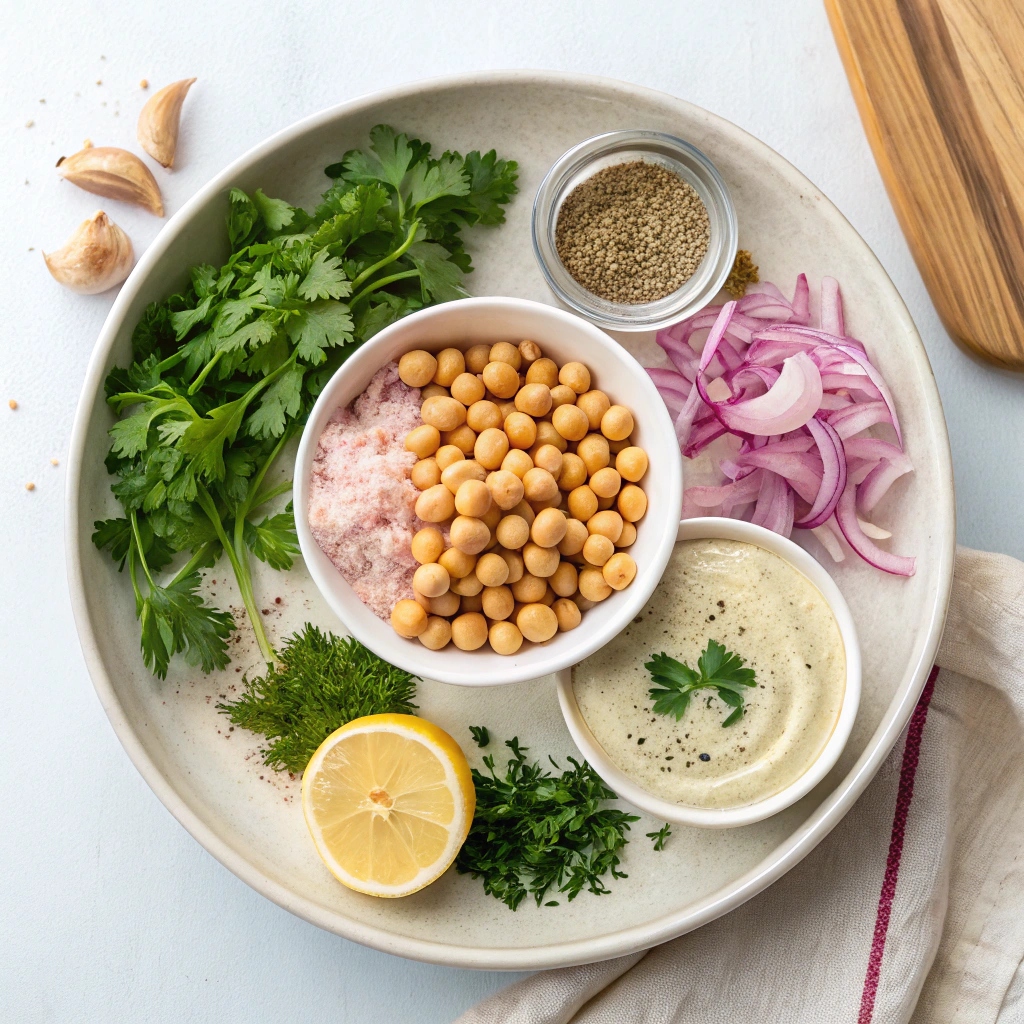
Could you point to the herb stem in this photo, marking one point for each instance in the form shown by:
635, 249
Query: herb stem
193, 563
390, 258
381, 283
138, 546
204, 373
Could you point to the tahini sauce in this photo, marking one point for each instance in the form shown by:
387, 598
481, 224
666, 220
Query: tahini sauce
762, 609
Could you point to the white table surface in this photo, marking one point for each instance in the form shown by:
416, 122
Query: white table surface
109, 910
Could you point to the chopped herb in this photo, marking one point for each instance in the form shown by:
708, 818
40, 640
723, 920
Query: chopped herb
480, 735
719, 669
660, 836
534, 831
319, 683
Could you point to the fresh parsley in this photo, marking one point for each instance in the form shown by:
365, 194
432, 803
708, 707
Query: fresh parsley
480, 735
534, 831
225, 372
319, 683
717, 669
660, 837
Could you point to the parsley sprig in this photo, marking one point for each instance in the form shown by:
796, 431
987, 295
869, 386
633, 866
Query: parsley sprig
717, 669
225, 373
534, 831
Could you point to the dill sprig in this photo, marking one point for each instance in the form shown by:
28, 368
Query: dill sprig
534, 831
319, 683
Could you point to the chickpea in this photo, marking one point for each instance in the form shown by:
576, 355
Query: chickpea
467, 388
483, 415
506, 488
469, 534
617, 446
505, 638
464, 438
506, 352
539, 485
617, 423
513, 532
501, 379
576, 376
584, 604
426, 473
547, 434
543, 371
477, 357
506, 408
490, 448
520, 430
570, 421
628, 536
631, 463
427, 545
417, 368
562, 395
437, 634
603, 504
594, 404
537, 623
468, 586
459, 472
576, 535
632, 503
458, 563
549, 598
549, 457
530, 351
472, 498
408, 619
598, 549
469, 631
492, 517
593, 585
472, 603
563, 581
446, 604
497, 602
548, 529
607, 524
431, 580
492, 570
540, 561
423, 440
530, 588
433, 391
446, 455
515, 563
593, 450
517, 461
534, 400
450, 363
619, 571
582, 503
523, 509
605, 483
567, 613
435, 504
573, 472
443, 413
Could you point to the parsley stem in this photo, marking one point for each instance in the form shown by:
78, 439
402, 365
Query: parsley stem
381, 283
204, 373
390, 258
257, 480
193, 563
138, 546
273, 492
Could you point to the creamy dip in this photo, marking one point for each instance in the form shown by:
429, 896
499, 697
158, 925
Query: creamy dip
773, 617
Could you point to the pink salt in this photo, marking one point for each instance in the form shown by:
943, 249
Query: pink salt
361, 500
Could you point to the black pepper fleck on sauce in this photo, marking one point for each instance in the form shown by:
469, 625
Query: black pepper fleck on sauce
711, 618
640, 742
705, 757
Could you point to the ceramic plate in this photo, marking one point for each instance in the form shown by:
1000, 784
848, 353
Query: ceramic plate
211, 778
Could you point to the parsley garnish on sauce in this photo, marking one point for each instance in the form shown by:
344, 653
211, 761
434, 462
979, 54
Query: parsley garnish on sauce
717, 669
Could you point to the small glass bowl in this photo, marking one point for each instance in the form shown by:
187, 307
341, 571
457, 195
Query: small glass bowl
676, 155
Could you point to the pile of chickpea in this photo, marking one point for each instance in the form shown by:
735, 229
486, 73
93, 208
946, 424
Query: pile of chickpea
537, 469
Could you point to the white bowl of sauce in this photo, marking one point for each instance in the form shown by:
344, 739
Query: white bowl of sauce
765, 599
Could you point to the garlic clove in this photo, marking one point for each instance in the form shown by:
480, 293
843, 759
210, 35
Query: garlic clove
158, 123
98, 256
113, 173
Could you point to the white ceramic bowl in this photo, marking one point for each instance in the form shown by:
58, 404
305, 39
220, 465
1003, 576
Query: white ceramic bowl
563, 337
703, 817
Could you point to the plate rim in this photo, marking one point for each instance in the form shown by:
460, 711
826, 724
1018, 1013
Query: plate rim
557, 954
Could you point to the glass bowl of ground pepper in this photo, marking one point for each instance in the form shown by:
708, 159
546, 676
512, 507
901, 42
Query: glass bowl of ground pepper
634, 230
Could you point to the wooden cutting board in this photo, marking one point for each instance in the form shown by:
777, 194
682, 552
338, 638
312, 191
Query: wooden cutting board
940, 89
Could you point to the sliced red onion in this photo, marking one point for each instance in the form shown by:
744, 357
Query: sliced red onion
790, 402
826, 534
883, 389
851, 418
846, 516
833, 478
877, 483
872, 531
774, 508
832, 307
801, 301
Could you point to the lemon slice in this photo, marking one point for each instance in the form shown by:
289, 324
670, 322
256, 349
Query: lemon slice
388, 800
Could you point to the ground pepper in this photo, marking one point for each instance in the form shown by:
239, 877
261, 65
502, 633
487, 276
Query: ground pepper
633, 232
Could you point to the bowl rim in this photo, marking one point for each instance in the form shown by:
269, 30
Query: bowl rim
782, 858
540, 659
713, 527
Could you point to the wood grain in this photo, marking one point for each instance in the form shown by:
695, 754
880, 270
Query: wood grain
940, 89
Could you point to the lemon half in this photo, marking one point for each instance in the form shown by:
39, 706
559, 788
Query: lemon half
388, 800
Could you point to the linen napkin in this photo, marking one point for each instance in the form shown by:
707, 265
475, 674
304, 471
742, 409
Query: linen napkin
912, 909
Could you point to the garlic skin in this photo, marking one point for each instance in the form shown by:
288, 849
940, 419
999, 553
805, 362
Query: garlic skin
160, 119
115, 174
98, 256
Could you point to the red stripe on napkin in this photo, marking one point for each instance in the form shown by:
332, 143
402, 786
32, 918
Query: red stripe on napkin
904, 795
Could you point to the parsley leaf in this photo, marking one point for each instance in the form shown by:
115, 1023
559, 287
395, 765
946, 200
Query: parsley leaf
273, 540
480, 735
660, 837
719, 669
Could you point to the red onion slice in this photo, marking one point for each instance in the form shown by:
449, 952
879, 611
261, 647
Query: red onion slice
846, 516
832, 321
833, 478
790, 402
